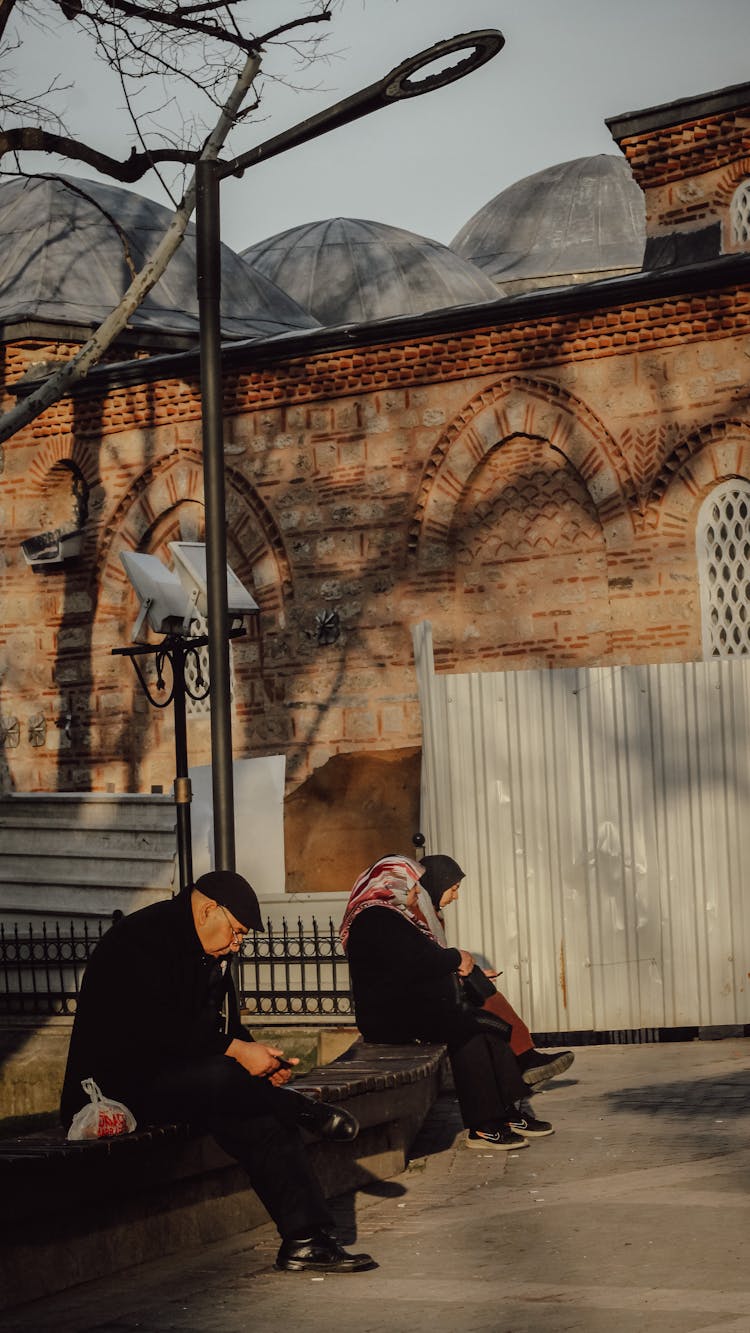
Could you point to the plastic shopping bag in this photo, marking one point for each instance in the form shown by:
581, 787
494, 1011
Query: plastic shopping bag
102, 1118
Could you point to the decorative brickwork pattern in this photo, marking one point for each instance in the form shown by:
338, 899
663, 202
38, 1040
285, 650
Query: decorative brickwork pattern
516, 407
676, 152
530, 559
532, 489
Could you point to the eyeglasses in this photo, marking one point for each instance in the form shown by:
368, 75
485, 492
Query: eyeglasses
238, 936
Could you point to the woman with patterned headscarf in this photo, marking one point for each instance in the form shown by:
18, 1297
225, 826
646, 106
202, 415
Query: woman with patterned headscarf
405, 987
441, 880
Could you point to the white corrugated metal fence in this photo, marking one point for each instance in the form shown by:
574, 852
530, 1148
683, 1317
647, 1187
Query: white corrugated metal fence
601, 815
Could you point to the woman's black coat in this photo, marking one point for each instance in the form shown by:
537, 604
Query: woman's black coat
405, 986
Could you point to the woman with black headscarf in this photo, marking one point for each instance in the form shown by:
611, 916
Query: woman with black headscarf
405, 984
441, 881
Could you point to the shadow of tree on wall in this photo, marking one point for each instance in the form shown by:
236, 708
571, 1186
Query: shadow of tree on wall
8, 726
289, 685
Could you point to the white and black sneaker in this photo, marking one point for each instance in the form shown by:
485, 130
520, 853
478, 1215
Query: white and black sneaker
530, 1128
505, 1139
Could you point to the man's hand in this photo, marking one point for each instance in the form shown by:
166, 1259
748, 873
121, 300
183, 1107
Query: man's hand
467, 963
260, 1061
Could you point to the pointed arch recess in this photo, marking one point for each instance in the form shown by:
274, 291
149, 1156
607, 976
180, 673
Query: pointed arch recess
63, 449
711, 455
169, 481
536, 409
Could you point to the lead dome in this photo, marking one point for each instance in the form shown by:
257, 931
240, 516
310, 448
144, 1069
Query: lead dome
69, 248
348, 271
573, 222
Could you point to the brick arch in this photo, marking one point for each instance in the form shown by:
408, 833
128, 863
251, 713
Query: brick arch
166, 484
63, 449
730, 178
715, 453
60, 480
535, 409
267, 556
525, 498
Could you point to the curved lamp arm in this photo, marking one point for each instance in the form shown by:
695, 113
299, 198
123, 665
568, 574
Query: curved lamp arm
482, 45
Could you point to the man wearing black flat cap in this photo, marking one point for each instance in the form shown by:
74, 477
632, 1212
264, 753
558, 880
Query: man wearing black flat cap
157, 1028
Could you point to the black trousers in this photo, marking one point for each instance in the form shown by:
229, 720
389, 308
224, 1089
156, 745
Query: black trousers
255, 1123
486, 1073
487, 1078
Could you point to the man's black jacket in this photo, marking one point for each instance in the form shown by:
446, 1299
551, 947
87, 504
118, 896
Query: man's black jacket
150, 998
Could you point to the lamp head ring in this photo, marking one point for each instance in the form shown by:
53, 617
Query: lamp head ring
483, 44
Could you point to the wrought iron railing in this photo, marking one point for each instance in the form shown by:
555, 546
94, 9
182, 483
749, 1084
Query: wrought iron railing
41, 965
287, 974
292, 974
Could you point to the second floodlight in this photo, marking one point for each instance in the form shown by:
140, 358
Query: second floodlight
190, 564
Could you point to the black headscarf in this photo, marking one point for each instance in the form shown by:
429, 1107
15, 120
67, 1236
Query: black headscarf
440, 873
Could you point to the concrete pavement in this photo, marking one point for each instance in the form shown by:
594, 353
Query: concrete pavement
632, 1218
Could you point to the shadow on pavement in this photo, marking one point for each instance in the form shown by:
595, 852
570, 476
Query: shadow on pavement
709, 1097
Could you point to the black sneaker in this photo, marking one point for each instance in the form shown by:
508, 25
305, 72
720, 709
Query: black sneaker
538, 1066
530, 1128
504, 1139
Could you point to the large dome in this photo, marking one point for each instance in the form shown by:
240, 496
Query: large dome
347, 271
574, 222
69, 248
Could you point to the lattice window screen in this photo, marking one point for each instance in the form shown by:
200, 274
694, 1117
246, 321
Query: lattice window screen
723, 550
740, 213
202, 707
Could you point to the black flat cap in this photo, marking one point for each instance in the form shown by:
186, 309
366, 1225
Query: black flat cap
231, 890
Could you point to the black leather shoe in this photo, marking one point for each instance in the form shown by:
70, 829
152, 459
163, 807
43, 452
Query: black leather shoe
320, 1254
329, 1122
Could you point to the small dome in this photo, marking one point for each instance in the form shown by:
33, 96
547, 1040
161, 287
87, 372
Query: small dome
574, 222
70, 247
348, 271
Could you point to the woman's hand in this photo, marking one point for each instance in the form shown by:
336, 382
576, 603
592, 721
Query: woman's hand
467, 963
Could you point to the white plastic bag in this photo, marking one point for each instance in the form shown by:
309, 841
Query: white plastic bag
102, 1118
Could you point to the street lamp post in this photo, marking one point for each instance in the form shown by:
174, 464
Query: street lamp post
401, 83
175, 651
169, 603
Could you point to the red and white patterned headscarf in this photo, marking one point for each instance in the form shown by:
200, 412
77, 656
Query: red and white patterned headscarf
386, 884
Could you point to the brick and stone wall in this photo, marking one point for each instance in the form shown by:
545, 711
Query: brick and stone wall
527, 478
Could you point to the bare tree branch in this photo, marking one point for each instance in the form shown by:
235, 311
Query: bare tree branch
74, 370
173, 19
32, 139
203, 8
142, 43
322, 17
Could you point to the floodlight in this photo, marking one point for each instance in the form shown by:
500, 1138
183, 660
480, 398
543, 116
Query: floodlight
190, 563
164, 601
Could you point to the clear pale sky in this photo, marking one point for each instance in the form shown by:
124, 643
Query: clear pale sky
428, 164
